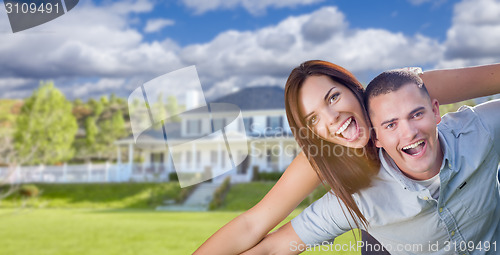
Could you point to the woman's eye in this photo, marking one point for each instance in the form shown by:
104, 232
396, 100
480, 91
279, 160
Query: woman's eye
389, 126
313, 120
333, 97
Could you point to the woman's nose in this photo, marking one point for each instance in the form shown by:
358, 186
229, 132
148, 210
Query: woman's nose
331, 116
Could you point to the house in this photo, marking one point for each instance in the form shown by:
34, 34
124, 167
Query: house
263, 134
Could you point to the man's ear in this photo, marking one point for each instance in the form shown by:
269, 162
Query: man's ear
375, 139
435, 110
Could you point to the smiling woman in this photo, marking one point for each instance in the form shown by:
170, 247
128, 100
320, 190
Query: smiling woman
338, 118
328, 100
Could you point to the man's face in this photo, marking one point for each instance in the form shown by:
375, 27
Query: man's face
405, 123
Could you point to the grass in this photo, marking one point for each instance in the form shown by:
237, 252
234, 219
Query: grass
96, 232
89, 219
243, 196
95, 195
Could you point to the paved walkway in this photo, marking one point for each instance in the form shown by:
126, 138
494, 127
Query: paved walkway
199, 199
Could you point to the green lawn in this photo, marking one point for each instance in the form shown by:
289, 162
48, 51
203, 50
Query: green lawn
98, 195
79, 231
243, 196
118, 218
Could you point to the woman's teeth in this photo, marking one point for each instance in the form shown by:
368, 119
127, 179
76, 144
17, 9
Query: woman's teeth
343, 127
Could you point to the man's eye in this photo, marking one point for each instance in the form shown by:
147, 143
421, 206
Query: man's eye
389, 126
418, 114
333, 97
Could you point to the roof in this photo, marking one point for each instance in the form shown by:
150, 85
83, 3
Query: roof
256, 98
173, 130
250, 98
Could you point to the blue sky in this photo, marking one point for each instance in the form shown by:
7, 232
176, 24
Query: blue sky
104, 47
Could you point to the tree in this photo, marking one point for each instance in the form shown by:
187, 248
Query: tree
173, 108
96, 106
8, 157
118, 124
109, 130
45, 127
90, 132
159, 109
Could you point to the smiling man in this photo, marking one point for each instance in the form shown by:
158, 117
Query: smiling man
405, 119
449, 169
437, 190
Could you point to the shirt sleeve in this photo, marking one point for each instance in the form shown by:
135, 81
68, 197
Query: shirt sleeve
322, 221
489, 114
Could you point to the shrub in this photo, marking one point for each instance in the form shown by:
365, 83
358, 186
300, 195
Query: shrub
29, 190
268, 176
219, 194
173, 177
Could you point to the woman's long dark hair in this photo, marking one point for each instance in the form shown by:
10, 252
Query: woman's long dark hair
354, 168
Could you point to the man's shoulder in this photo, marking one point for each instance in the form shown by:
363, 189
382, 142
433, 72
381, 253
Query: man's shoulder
464, 120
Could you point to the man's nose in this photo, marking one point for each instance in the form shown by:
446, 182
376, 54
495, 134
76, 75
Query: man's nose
408, 131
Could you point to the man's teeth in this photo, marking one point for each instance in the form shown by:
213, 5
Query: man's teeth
414, 145
342, 129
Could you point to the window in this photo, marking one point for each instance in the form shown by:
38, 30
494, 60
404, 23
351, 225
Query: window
219, 124
193, 127
274, 123
156, 157
213, 158
247, 122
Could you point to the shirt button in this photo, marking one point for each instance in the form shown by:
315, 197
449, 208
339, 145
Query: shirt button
452, 233
441, 209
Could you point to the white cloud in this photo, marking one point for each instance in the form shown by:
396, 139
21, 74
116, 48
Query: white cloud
435, 3
419, 2
475, 32
102, 86
155, 25
273, 51
131, 6
253, 6
76, 45
13, 83
107, 50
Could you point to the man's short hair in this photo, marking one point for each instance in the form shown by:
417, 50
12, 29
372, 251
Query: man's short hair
391, 81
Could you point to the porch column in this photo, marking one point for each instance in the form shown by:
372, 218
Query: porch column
219, 158
253, 158
194, 159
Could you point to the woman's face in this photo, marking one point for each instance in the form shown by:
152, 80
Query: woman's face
333, 112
